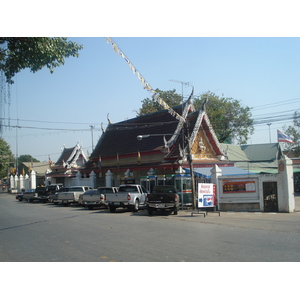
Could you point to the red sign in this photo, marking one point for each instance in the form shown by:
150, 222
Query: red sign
238, 186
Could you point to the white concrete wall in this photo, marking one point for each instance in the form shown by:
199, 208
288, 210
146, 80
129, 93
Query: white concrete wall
254, 201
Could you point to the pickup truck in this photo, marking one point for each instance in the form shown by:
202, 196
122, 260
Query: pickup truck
26, 195
130, 196
72, 196
96, 198
53, 198
163, 198
53, 188
38, 194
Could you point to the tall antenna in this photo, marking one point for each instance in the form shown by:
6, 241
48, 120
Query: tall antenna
182, 84
92, 127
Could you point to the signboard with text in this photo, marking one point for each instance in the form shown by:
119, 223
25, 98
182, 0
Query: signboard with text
206, 195
238, 186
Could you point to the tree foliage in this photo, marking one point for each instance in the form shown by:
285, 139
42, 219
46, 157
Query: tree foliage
230, 120
27, 158
294, 133
18, 53
150, 106
6, 158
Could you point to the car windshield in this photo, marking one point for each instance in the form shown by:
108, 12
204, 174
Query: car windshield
76, 189
105, 191
128, 189
52, 188
90, 192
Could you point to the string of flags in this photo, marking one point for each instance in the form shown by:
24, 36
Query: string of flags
282, 137
146, 85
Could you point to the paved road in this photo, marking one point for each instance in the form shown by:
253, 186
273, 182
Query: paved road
36, 232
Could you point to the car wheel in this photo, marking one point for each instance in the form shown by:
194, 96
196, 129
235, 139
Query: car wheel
176, 211
112, 209
150, 211
136, 206
90, 207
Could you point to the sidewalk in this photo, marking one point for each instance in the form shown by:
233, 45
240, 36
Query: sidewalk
259, 220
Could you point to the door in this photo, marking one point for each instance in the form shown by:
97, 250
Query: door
270, 196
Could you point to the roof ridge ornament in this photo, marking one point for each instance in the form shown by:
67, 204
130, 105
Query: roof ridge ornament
108, 119
174, 137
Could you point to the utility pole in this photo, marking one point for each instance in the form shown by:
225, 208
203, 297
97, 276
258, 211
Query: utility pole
190, 161
17, 148
182, 84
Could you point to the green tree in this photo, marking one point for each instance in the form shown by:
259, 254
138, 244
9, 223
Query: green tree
18, 53
294, 133
150, 106
27, 158
6, 158
229, 119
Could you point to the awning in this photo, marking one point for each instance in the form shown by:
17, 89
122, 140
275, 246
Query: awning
206, 172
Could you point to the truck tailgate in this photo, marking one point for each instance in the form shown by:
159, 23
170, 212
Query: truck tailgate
116, 197
161, 198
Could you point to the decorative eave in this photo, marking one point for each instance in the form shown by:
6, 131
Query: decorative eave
188, 106
73, 156
79, 152
62, 175
203, 120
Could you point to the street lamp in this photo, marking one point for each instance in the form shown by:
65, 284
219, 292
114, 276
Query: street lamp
144, 136
189, 158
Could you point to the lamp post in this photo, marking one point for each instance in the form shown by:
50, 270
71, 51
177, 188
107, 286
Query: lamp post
190, 161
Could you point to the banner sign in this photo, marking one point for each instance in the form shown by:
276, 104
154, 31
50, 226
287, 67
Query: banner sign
238, 186
206, 195
146, 85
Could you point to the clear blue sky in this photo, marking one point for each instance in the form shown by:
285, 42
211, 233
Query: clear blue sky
263, 73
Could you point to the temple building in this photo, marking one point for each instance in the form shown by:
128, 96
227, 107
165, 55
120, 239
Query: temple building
71, 161
158, 149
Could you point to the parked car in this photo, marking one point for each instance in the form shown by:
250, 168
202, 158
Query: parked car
163, 198
72, 196
23, 196
19, 197
96, 198
38, 194
132, 196
54, 197
41, 194
53, 188
87, 194
28, 194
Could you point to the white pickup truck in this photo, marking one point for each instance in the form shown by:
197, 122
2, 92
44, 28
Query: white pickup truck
72, 196
131, 196
96, 198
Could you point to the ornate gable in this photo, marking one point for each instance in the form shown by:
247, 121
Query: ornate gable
201, 148
203, 140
